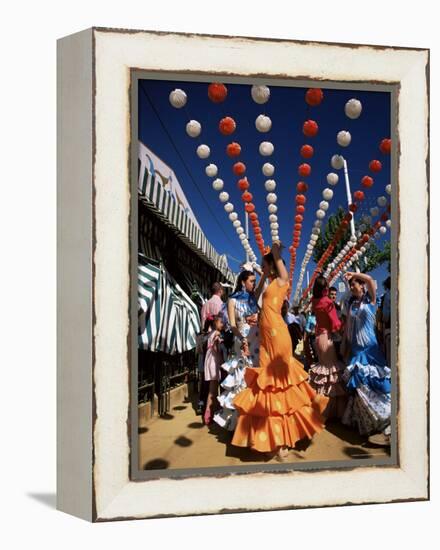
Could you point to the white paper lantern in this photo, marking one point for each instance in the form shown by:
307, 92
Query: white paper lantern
270, 185
309, 247
224, 197
242, 237
320, 214
266, 148
337, 162
353, 108
317, 223
274, 232
273, 208
229, 207
246, 244
263, 123
203, 151
316, 231
271, 198
327, 194
211, 170
260, 94
193, 128
239, 230
274, 225
382, 201
217, 184
382, 230
374, 211
388, 189
388, 223
268, 169
236, 223
178, 98
233, 216
363, 249
273, 218
323, 205
343, 138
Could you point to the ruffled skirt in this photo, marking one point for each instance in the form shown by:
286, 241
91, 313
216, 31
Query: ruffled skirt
278, 408
368, 380
326, 377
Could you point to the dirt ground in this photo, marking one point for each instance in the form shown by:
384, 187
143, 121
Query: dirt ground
180, 440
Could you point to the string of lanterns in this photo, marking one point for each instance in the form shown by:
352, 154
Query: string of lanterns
310, 128
217, 93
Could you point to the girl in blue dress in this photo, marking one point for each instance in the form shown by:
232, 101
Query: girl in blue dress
367, 375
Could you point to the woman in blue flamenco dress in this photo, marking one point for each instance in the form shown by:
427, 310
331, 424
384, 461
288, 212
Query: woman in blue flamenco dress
243, 320
367, 376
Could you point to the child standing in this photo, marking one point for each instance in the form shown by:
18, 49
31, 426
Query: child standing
213, 361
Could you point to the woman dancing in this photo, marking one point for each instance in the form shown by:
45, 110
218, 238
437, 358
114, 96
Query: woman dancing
243, 319
326, 374
367, 374
279, 407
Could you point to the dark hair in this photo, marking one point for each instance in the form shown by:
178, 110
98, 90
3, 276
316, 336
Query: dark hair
216, 287
271, 260
355, 280
387, 283
242, 278
210, 322
319, 286
333, 289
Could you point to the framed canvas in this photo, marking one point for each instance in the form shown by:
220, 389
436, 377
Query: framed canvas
183, 161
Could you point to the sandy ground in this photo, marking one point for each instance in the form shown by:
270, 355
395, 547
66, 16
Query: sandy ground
180, 440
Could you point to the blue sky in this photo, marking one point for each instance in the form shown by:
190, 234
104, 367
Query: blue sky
287, 110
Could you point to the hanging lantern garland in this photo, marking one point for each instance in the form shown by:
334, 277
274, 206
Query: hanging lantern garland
310, 128
217, 93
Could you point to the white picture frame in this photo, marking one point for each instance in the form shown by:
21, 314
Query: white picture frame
94, 273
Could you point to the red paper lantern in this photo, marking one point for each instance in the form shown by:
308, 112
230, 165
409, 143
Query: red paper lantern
253, 216
375, 166
292, 251
233, 149
352, 208
300, 209
306, 151
227, 126
314, 96
243, 184
310, 128
297, 226
300, 199
255, 223
359, 195
302, 187
247, 197
304, 170
385, 146
384, 217
249, 207
217, 92
295, 245
367, 181
348, 216
257, 231
298, 218
239, 168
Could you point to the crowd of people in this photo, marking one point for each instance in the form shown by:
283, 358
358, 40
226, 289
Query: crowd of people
273, 375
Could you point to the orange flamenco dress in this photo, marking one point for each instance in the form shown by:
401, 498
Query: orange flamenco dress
278, 407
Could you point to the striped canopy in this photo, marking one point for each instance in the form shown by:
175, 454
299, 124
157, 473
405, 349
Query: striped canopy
162, 201
168, 319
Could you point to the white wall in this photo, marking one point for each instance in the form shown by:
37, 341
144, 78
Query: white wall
27, 224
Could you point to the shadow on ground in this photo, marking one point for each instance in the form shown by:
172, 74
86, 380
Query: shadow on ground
48, 499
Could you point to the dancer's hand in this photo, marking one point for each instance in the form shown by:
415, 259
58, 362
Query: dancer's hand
252, 320
349, 275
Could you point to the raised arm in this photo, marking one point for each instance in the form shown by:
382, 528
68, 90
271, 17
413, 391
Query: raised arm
283, 276
260, 286
369, 282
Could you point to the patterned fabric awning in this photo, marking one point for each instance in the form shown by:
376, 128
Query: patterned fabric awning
168, 319
162, 201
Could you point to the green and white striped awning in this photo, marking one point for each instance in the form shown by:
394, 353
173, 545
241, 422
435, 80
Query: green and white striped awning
155, 196
168, 319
